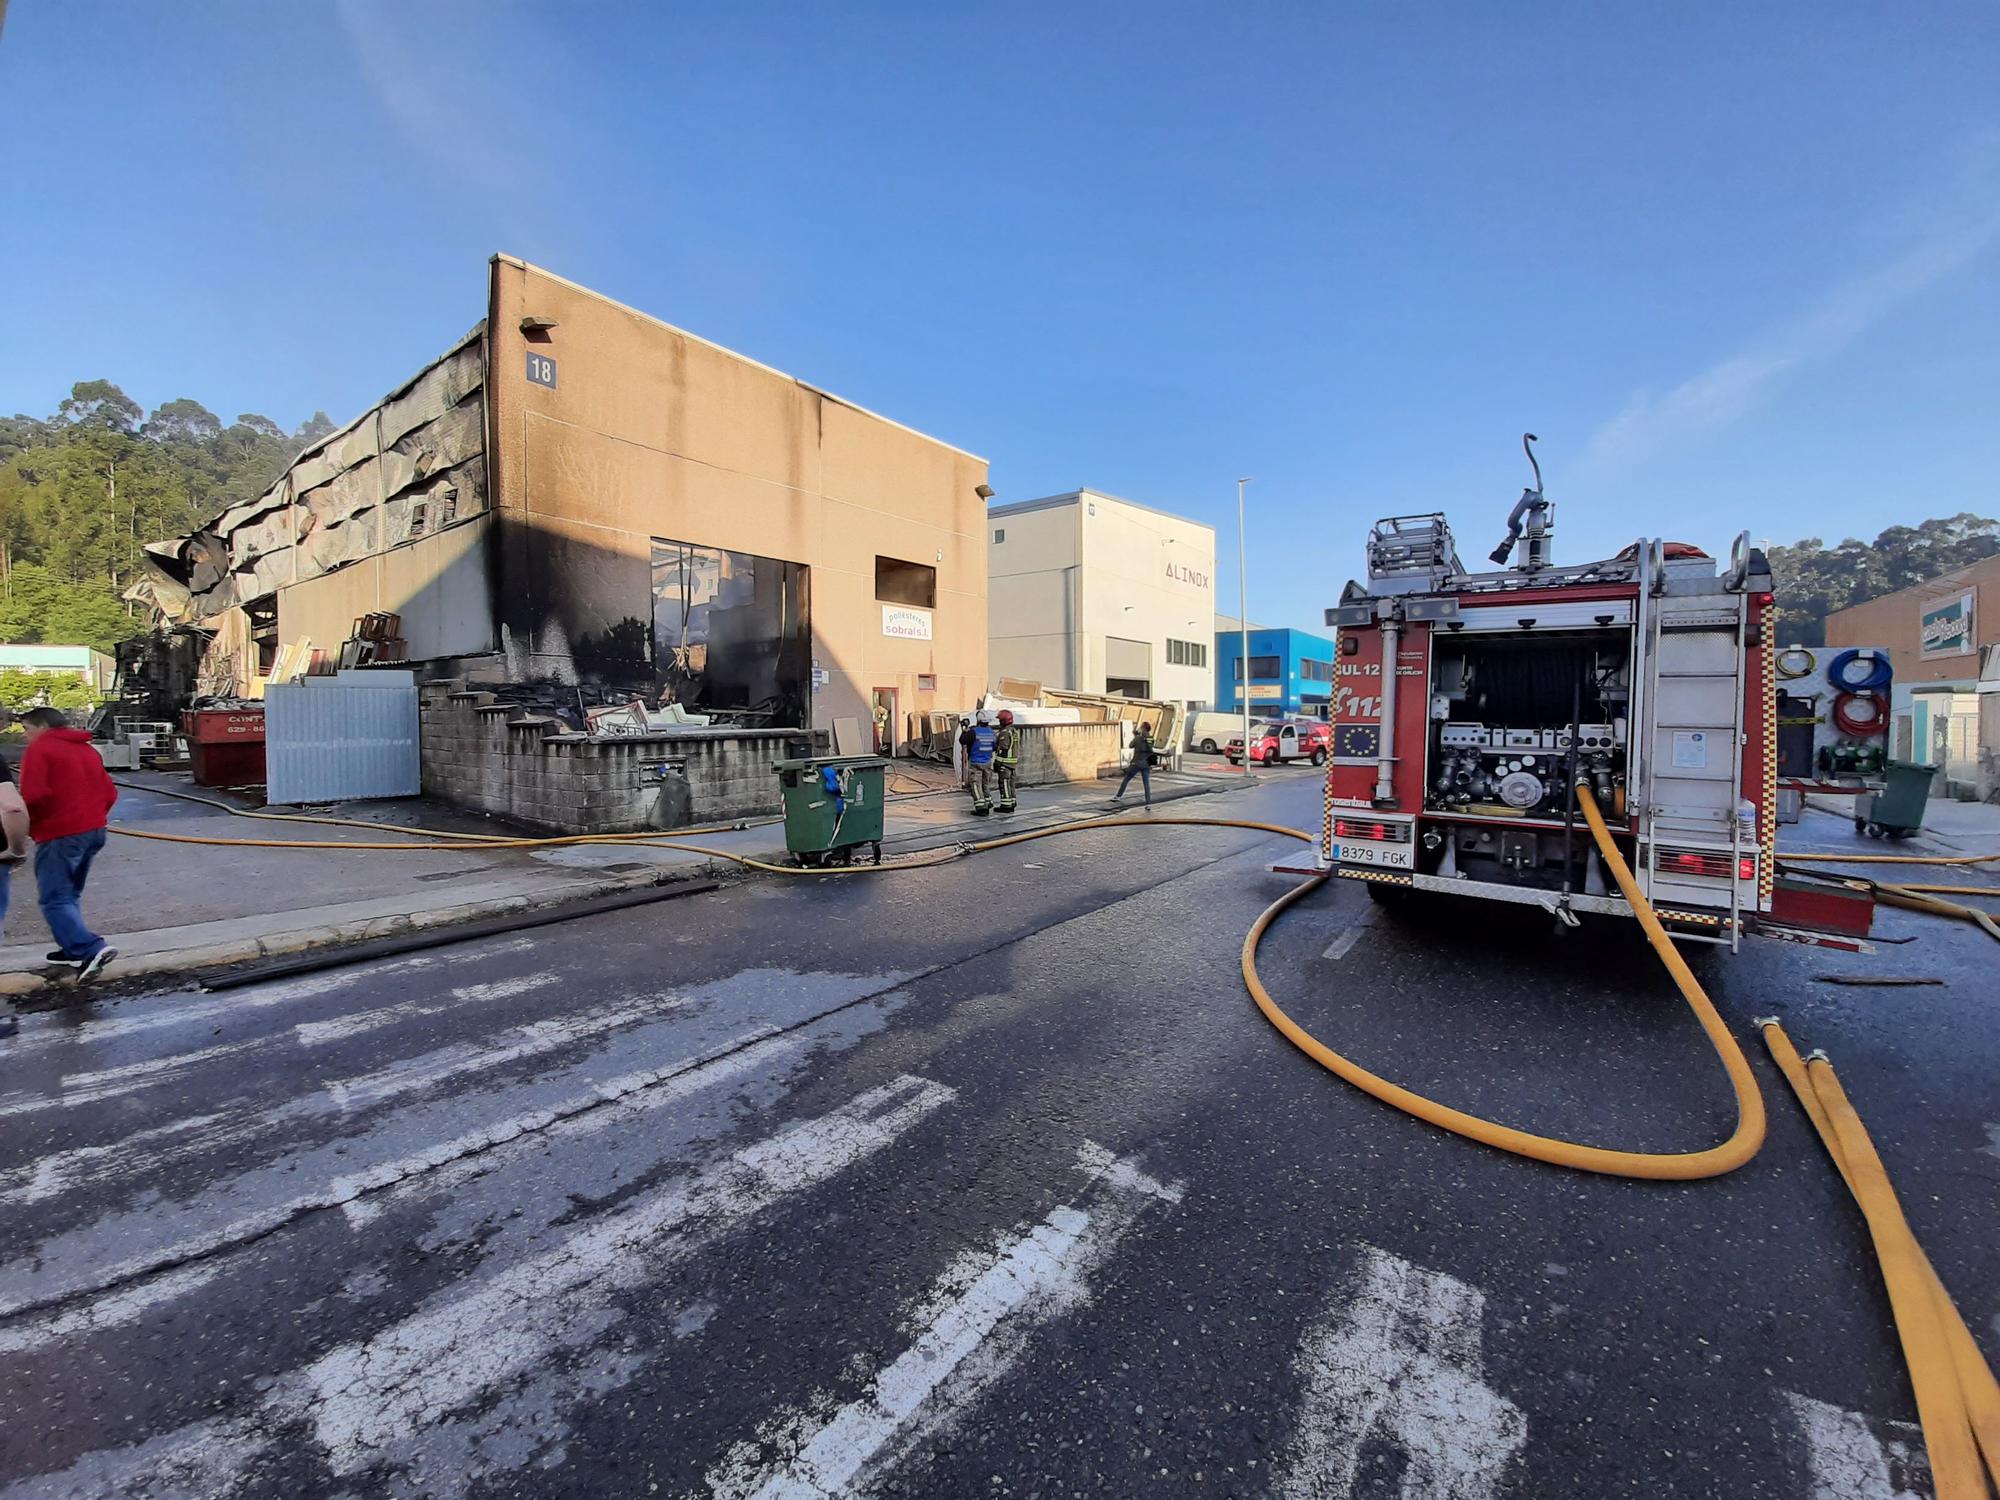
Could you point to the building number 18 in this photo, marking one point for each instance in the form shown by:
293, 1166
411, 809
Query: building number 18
541, 370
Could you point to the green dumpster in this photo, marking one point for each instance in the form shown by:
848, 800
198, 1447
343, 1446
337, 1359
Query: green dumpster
833, 806
1898, 809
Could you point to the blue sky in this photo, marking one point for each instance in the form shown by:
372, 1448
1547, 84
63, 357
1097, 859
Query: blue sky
1739, 266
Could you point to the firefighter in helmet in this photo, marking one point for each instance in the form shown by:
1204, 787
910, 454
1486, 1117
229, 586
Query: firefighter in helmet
1006, 761
978, 739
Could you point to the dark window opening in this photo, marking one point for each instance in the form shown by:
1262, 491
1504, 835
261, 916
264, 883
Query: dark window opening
1316, 671
898, 582
1260, 666
732, 633
1186, 653
1000, 533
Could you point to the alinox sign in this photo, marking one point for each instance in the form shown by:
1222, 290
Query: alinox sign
1181, 573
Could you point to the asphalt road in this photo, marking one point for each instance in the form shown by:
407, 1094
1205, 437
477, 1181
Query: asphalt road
987, 1181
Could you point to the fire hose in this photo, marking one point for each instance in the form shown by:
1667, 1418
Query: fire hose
1958, 1400
1658, 1166
1732, 1153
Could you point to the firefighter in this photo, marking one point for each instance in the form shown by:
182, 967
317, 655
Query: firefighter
1006, 761
978, 741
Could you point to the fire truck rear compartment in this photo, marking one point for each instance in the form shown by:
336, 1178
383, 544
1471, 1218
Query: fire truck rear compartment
1504, 711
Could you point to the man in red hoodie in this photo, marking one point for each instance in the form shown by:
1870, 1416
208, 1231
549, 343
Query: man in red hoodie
69, 795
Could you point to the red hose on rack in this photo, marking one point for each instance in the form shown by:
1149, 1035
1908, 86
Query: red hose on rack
1863, 726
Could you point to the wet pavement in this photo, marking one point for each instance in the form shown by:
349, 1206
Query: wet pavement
981, 1181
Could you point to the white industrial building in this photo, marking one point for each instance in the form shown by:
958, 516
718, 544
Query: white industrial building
1096, 594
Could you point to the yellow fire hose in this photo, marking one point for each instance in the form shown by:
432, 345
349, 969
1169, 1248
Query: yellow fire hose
1958, 1400
1664, 1166
1957, 1397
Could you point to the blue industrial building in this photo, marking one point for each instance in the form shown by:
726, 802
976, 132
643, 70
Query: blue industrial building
1291, 673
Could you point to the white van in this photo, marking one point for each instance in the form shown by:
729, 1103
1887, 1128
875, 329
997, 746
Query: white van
1209, 732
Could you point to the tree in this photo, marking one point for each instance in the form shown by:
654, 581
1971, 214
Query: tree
315, 427
261, 426
182, 421
1814, 580
99, 403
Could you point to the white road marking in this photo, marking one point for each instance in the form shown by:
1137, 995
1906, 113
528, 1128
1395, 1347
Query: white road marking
159, 1014
61, 1170
632, 1093
346, 1191
404, 1394
1345, 941
204, 1461
972, 1327
124, 1305
1847, 1461
127, 1078
1400, 1359
366, 1398
340, 1028
469, 1057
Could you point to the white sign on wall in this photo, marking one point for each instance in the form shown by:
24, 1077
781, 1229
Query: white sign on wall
1947, 625
905, 623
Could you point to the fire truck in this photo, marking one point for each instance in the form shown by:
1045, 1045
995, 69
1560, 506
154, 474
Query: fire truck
1468, 706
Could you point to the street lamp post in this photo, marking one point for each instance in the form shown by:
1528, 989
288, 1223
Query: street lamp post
1243, 620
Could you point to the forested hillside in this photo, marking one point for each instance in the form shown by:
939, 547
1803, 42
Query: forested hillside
1814, 579
83, 490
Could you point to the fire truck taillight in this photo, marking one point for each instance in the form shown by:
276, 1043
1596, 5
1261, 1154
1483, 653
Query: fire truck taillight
1746, 867
1347, 828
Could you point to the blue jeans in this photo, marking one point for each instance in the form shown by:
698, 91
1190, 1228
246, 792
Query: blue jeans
61, 867
1145, 775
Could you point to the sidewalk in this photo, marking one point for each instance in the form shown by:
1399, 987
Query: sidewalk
1950, 827
176, 907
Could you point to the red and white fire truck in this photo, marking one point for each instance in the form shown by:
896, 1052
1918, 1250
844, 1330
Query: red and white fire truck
1467, 705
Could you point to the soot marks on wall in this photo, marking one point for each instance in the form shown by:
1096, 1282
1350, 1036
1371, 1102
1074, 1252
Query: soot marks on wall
732, 632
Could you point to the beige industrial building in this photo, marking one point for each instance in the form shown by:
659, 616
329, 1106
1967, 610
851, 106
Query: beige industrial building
579, 493
1096, 594
1943, 639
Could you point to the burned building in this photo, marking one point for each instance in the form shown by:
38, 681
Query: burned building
577, 493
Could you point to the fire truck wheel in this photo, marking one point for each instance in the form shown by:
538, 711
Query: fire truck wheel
1319, 757
1383, 894
1270, 757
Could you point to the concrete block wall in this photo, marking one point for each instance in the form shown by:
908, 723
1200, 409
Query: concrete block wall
482, 752
1067, 752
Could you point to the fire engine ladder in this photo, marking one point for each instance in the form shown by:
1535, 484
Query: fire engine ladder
1691, 709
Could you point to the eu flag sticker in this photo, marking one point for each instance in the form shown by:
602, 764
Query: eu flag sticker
1357, 741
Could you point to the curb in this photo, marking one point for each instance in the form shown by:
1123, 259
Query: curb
22, 983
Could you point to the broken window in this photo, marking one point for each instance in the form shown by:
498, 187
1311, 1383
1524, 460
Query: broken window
898, 582
732, 633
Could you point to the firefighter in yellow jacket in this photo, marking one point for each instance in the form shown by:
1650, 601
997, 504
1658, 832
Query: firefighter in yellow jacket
1006, 761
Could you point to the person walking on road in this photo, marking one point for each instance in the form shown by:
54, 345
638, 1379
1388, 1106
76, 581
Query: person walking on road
1141, 765
13, 852
1006, 761
69, 795
978, 740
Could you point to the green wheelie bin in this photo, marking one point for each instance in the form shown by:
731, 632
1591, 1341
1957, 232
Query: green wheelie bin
1897, 811
833, 806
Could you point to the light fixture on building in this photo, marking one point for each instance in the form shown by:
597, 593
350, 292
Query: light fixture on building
983, 491
534, 326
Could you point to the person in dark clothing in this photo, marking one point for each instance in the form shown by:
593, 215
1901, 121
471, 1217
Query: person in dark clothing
69, 795
1006, 761
1141, 765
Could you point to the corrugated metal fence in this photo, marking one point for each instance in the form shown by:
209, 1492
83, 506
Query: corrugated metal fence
332, 739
